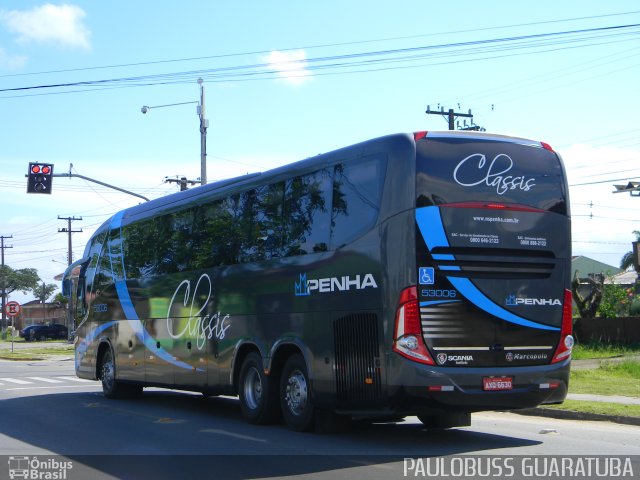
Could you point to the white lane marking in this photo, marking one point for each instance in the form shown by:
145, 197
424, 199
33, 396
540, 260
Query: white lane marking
231, 434
45, 388
45, 380
76, 379
17, 381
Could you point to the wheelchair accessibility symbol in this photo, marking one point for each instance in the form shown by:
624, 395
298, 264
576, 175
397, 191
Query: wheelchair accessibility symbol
426, 276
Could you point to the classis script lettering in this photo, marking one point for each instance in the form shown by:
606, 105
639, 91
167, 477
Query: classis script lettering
476, 170
200, 327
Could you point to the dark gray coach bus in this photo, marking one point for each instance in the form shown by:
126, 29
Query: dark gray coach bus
423, 274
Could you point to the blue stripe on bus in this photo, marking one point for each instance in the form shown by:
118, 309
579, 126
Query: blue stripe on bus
132, 316
135, 323
432, 230
479, 299
443, 256
437, 302
83, 344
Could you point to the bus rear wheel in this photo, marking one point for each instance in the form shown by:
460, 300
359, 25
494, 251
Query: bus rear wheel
445, 421
258, 392
112, 388
295, 395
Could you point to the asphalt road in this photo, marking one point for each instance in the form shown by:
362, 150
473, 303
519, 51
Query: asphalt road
167, 434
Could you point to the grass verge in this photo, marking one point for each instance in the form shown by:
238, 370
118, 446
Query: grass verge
36, 353
600, 350
621, 378
601, 408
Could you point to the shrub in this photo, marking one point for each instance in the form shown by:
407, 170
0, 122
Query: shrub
615, 302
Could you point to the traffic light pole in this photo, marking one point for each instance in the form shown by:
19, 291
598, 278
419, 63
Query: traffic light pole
76, 175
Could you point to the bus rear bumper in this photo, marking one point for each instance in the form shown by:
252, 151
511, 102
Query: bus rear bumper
424, 389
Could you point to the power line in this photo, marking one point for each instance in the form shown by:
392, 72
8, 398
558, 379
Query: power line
359, 59
313, 47
600, 181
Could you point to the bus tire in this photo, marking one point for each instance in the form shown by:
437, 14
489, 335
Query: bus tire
295, 395
258, 392
112, 388
444, 421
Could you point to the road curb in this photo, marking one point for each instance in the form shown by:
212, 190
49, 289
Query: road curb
573, 415
21, 359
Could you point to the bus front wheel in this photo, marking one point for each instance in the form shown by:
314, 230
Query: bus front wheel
258, 392
295, 395
112, 388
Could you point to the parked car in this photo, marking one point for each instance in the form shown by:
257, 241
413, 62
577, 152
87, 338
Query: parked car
43, 332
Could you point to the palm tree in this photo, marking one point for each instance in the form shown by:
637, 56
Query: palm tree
627, 259
43, 291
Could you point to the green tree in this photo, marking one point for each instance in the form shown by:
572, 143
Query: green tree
11, 280
43, 291
25, 279
61, 299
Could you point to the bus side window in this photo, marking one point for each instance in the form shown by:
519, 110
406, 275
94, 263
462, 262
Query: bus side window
81, 305
103, 275
247, 226
95, 253
220, 241
307, 215
269, 218
357, 192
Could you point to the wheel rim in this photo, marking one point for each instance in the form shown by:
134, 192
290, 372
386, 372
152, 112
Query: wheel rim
108, 374
253, 388
296, 393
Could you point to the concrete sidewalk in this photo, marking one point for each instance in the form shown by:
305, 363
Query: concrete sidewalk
587, 397
590, 363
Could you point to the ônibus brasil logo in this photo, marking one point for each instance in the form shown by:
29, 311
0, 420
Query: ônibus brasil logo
332, 284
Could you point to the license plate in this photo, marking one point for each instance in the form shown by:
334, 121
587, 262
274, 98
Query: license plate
497, 383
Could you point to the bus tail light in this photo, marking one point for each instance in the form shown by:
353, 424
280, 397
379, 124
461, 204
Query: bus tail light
408, 340
419, 135
566, 331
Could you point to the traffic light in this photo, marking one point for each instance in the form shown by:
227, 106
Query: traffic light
39, 178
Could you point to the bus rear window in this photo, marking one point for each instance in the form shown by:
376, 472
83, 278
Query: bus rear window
457, 170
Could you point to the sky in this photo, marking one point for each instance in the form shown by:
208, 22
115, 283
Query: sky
286, 80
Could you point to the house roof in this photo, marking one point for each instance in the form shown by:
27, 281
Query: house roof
627, 277
586, 266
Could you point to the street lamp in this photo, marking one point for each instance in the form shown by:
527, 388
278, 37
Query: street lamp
204, 124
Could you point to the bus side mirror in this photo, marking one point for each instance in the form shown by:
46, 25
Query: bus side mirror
66, 288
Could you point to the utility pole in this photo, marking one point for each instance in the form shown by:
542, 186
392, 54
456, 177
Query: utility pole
451, 117
2, 275
182, 181
69, 232
204, 124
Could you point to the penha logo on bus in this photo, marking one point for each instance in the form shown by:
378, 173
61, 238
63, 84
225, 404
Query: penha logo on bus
345, 283
513, 301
